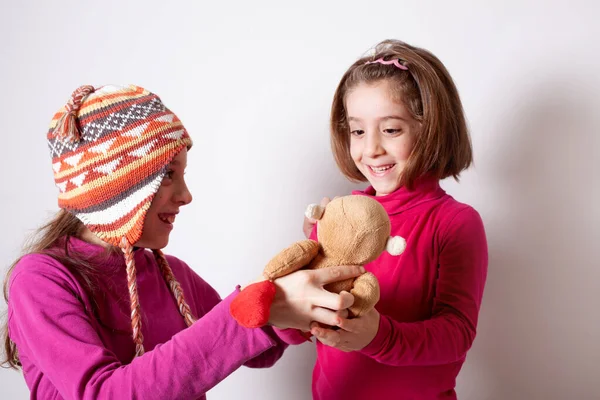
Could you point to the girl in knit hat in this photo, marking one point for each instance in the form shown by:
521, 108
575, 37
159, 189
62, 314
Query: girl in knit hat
95, 309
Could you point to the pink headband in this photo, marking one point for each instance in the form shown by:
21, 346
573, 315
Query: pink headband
396, 63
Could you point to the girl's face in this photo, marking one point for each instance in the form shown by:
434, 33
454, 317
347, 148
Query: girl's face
382, 134
172, 195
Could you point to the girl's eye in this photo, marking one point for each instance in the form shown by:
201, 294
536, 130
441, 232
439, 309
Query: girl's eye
392, 131
169, 174
357, 132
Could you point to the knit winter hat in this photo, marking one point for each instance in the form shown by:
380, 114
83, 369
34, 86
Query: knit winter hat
110, 149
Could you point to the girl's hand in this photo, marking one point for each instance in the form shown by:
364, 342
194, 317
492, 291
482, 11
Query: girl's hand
354, 334
301, 299
309, 223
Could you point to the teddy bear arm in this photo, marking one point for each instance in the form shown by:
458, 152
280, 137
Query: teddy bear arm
366, 294
291, 259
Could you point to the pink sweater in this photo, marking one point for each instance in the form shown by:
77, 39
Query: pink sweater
68, 352
430, 299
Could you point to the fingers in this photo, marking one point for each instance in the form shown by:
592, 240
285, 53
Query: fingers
338, 273
332, 301
349, 325
329, 337
325, 316
347, 299
343, 313
326, 336
325, 201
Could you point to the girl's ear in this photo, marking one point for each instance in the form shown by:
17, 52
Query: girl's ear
395, 245
314, 211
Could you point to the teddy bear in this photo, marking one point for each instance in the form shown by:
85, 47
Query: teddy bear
351, 230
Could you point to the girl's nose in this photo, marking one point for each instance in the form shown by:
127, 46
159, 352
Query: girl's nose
373, 145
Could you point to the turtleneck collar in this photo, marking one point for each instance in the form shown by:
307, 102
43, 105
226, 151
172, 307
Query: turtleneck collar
426, 189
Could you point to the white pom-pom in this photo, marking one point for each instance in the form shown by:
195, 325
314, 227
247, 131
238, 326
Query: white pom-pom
395, 245
314, 211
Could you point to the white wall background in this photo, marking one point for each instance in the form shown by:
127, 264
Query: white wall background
253, 82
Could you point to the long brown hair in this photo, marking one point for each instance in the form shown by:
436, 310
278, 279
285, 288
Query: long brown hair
52, 239
442, 147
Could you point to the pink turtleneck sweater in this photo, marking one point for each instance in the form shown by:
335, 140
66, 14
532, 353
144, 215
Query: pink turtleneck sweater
430, 299
70, 352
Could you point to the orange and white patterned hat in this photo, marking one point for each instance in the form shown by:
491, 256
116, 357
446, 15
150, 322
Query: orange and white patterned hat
110, 149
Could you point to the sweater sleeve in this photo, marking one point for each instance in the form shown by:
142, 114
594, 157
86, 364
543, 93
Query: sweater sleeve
207, 298
51, 328
269, 357
290, 336
449, 333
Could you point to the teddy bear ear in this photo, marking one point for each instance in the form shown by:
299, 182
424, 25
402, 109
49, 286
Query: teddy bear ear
314, 211
395, 245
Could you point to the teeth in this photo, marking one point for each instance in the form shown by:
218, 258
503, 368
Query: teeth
168, 218
381, 169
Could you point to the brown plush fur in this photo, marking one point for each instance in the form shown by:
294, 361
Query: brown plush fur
353, 230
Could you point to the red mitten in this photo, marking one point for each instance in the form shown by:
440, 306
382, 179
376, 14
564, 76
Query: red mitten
252, 307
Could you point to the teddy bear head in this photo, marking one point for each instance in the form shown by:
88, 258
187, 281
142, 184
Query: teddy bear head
354, 230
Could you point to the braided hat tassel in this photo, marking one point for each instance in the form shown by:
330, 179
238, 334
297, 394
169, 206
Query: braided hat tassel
136, 317
175, 287
66, 129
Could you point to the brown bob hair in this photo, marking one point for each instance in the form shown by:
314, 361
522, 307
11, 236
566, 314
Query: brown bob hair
442, 146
